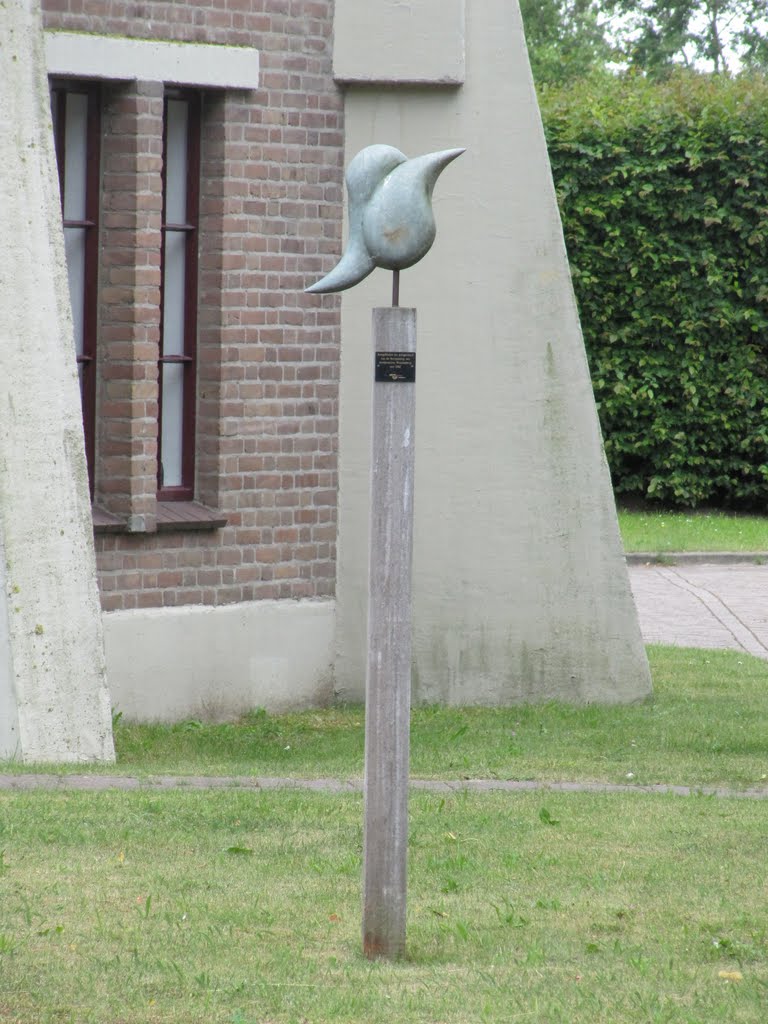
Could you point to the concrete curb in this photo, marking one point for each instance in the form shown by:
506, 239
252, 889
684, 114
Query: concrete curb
104, 783
697, 558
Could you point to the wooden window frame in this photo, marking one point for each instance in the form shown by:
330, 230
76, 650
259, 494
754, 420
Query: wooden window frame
191, 227
60, 88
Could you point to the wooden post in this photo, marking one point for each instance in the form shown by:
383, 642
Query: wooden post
388, 676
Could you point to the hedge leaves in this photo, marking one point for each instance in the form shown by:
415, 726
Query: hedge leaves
663, 191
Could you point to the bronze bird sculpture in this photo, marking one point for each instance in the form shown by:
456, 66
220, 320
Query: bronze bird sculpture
391, 223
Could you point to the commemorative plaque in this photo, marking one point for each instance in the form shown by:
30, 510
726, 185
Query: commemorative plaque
395, 367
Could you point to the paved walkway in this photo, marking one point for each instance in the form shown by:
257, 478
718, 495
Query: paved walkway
692, 603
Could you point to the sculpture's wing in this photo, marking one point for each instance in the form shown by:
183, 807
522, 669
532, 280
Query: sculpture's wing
365, 173
354, 265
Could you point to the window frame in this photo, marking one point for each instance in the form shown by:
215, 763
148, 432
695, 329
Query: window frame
185, 490
60, 88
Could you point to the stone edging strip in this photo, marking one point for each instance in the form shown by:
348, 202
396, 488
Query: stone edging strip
103, 783
696, 557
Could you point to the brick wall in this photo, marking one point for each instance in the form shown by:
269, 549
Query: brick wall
129, 306
268, 355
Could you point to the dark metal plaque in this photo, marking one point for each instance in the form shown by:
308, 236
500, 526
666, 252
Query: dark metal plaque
395, 367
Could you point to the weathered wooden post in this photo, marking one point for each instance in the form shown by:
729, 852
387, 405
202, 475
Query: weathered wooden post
388, 676
391, 225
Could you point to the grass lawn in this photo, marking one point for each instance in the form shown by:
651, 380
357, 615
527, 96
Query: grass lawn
660, 532
244, 907
706, 724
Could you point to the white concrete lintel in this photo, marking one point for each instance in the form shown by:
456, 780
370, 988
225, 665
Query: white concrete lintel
86, 55
399, 42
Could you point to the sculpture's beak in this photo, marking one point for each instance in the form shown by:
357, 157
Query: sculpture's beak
434, 163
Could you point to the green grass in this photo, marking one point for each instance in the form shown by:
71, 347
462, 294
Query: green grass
706, 724
244, 908
665, 532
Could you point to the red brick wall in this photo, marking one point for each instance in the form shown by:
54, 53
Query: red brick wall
129, 294
267, 409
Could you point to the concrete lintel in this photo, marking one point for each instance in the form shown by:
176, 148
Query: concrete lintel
399, 42
86, 55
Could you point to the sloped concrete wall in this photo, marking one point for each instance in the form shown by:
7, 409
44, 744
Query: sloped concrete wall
54, 701
520, 587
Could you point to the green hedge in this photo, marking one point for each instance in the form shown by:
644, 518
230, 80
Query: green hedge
663, 191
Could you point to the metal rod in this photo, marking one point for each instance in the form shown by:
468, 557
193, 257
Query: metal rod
395, 287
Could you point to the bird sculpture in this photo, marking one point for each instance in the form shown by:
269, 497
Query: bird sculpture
391, 223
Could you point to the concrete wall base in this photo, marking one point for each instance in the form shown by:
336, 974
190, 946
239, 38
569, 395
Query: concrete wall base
216, 663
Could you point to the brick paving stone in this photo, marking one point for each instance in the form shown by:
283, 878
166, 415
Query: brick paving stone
703, 605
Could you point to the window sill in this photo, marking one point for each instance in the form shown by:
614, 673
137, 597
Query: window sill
171, 515
106, 522
187, 515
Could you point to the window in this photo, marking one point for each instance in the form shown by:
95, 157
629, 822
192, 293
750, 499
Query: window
181, 174
75, 111
149, 217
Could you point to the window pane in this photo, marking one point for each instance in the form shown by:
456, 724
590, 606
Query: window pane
179, 297
172, 421
74, 243
174, 259
55, 113
76, 155
176, 162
